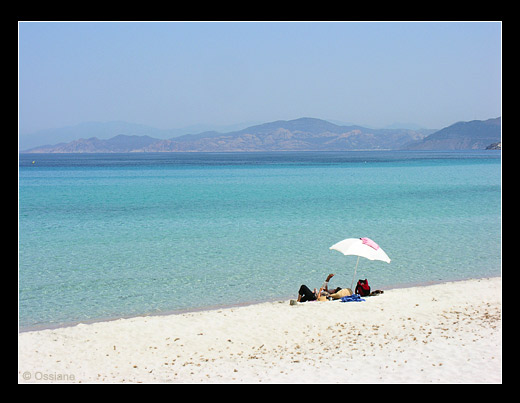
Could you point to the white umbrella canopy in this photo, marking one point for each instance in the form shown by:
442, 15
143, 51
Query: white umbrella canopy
361, 247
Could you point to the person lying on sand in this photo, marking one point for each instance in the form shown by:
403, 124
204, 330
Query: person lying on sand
305, 294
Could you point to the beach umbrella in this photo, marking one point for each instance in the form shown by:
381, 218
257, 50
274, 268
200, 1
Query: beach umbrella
361, 247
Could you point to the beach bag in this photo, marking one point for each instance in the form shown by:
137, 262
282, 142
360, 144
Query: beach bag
362, 288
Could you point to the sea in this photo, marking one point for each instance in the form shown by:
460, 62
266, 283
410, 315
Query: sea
105, 236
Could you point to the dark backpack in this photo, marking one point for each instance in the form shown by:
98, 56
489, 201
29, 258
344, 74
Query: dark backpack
362, 288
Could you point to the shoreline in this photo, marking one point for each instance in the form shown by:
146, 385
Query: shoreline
35, 328
442, 333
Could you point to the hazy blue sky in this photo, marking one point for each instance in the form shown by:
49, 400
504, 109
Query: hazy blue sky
176, 74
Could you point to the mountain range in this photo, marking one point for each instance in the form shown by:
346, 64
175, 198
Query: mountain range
476, 134
303, 134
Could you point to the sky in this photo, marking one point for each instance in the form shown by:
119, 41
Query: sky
171, 75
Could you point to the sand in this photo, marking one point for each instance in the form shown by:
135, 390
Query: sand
443, 333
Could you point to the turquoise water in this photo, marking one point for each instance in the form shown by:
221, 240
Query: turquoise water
111, 235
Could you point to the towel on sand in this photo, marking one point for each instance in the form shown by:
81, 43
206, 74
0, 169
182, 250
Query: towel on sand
352, 298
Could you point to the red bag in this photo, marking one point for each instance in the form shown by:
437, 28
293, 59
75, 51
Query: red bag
362, 288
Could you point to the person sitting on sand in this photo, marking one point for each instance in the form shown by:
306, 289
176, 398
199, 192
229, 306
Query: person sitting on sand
305, 294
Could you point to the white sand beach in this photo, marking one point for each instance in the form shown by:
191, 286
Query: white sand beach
443, 333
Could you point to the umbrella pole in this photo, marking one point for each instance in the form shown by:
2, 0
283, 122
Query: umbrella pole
355, 270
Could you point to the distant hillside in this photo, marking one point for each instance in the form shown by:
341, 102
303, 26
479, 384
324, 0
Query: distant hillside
304, 134
103, 130
476, 134
118, 144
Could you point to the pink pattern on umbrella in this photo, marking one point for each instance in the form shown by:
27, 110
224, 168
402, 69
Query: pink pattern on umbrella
369, 242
